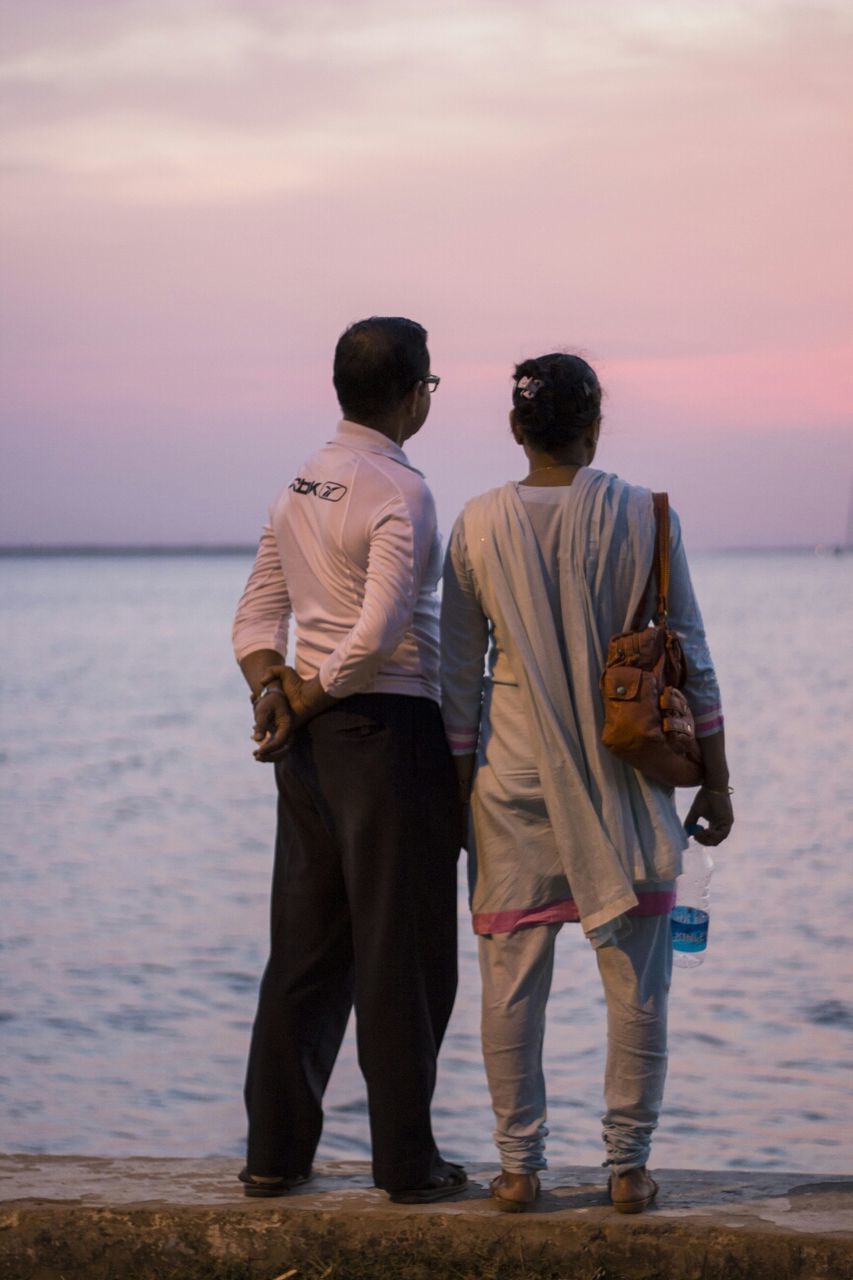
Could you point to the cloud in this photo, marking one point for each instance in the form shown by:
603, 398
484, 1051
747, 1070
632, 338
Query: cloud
233, 105
193, 101
177, 51
145, 158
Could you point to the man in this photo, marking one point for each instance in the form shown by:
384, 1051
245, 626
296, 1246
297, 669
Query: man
364, 885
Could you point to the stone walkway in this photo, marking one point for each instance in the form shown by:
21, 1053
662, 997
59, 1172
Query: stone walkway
65, 1217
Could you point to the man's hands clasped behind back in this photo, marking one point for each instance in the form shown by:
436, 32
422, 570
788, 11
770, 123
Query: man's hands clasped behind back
285, 703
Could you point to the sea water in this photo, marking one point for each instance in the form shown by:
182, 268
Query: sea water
136, 851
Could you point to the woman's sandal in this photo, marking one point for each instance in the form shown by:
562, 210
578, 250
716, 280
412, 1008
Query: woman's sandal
256, 1185
447, 1180
632, 1191
514, 1192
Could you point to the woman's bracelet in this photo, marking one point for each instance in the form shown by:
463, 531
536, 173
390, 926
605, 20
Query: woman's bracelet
719, 791
268, 688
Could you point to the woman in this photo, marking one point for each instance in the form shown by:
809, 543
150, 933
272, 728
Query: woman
539, 574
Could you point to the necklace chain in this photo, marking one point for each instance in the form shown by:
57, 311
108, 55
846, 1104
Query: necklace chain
552, 466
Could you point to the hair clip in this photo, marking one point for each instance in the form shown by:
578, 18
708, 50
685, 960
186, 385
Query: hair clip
527, 387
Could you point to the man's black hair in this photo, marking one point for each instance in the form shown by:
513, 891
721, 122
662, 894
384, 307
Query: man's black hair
377, 362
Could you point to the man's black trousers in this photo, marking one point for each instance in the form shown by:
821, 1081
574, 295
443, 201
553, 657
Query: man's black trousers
363, 912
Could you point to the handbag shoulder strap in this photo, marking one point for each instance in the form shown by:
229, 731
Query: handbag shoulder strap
660, 566
659, 572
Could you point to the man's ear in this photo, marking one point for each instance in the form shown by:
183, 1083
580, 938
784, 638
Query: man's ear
412, 400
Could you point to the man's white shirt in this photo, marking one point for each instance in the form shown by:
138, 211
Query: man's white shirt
352, 553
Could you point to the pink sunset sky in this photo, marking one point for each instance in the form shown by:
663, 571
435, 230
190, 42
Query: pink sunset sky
199, 195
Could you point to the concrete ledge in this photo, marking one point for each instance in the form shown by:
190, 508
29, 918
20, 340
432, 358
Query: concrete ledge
66, 1218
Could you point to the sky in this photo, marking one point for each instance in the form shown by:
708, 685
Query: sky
199, 195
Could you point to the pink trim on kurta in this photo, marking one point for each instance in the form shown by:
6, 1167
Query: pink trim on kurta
655, 902
708, 722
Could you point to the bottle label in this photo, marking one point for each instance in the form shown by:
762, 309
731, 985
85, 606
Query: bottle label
689, 929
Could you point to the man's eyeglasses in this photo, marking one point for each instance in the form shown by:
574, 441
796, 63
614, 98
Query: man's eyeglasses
431, 382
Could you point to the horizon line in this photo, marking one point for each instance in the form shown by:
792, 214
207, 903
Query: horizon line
46, 549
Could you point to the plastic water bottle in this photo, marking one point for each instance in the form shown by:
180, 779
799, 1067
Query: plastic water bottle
689, 918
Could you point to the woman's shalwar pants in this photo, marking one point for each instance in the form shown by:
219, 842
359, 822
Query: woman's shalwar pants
635, 972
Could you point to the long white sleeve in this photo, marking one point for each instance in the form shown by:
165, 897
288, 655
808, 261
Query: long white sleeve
263, 614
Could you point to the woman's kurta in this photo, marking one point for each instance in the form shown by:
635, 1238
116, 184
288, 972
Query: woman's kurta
541, 577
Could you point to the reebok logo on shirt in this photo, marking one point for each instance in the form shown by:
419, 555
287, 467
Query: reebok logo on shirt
326, 489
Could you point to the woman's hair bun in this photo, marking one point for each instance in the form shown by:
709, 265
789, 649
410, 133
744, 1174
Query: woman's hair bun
556, 399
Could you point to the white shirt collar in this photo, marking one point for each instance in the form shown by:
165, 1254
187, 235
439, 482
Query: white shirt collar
356, 436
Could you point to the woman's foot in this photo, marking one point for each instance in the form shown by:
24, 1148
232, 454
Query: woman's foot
632, 1191
514, 1192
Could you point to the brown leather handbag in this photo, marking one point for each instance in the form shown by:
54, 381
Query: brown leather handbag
647, 721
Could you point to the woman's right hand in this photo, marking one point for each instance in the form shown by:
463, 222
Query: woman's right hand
713, 801
715, 806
